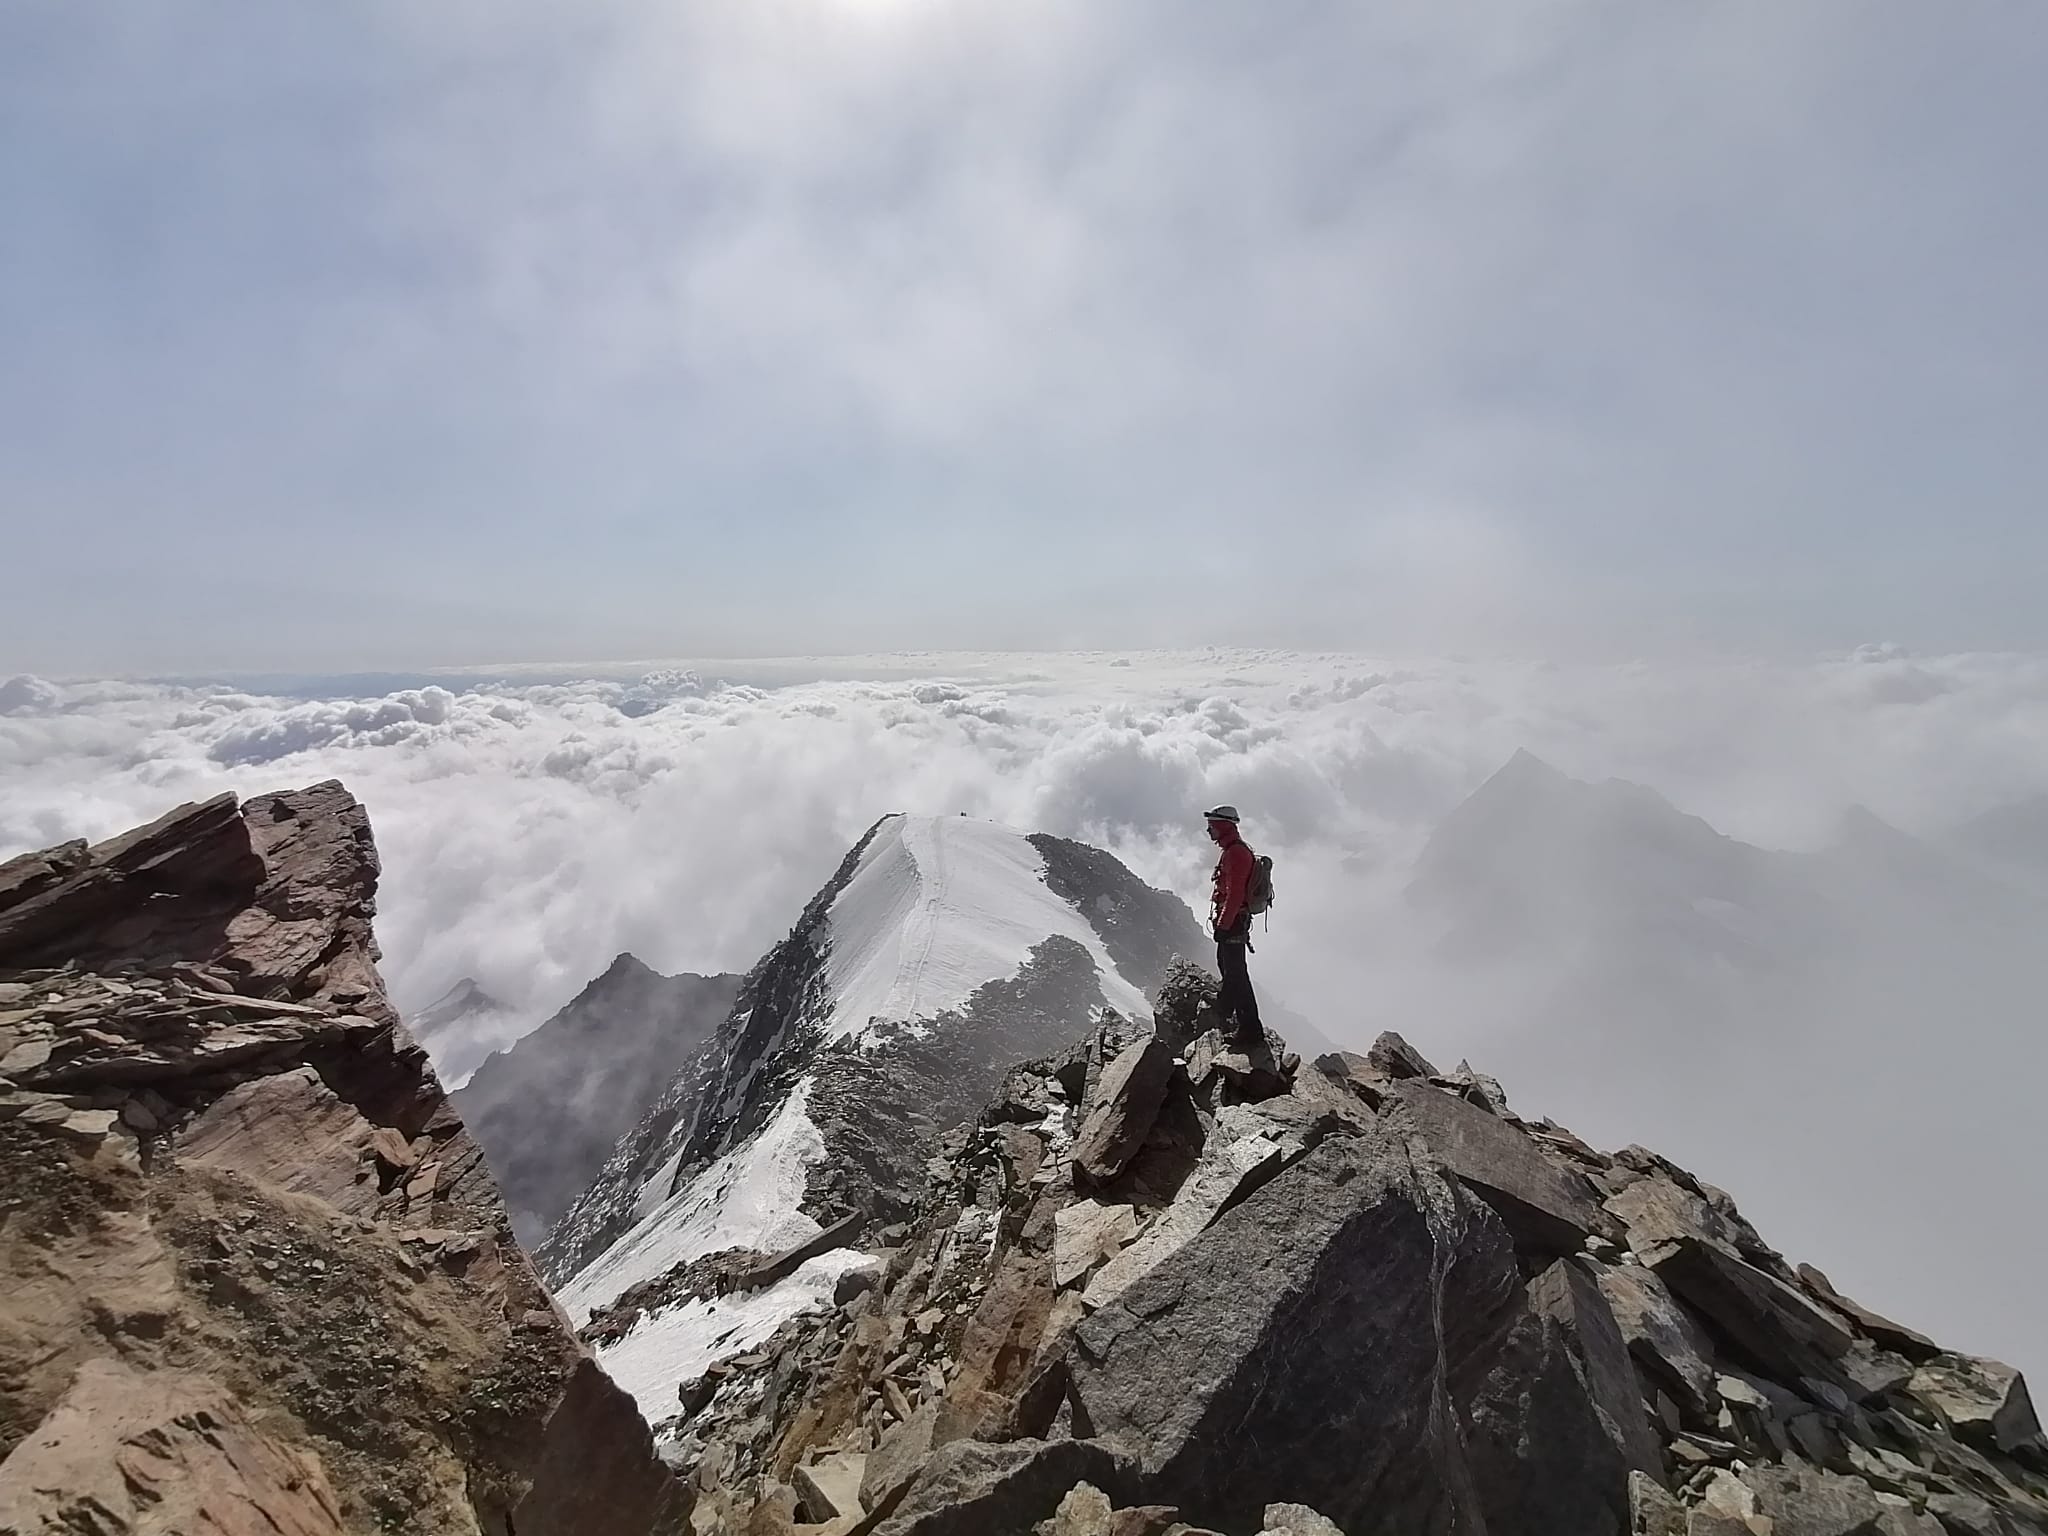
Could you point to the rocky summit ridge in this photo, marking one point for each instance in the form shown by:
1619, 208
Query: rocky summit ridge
255, 1276
1164, 1285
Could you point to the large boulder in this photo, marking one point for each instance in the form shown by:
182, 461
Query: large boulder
1372, 1288
1558, 1423
1393, 1057
1125, 1106
1983, 1402
969, 1488
1550, 1210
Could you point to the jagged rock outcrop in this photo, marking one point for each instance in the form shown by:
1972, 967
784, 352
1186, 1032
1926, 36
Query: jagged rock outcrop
254, 1273
1326, 1301
549, 1110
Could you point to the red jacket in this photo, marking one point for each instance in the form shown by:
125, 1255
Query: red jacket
1232, 883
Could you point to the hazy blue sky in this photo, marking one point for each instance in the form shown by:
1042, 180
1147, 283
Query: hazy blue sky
339, 336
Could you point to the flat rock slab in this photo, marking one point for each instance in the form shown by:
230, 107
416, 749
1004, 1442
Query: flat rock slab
1244, 1151
1549, 1210
829, 1489
1776, 1325
1085, 1234
1669, 1346
1881, 1329
1126, 1103
1357, 1074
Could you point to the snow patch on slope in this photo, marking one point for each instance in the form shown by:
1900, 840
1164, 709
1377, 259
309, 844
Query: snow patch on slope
749, 1198
937, 907
676, 1346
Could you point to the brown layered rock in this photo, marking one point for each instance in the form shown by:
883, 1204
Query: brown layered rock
256, 1275
165, 1451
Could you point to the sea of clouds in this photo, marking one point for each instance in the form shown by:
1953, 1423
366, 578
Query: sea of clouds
535, 822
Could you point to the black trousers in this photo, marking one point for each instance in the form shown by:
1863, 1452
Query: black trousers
1235, 1000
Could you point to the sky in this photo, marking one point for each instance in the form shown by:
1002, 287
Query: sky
391, 336
1868, 1089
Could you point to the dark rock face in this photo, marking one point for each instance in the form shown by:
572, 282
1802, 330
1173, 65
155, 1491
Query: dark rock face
1127, 1103
1559, 1422
1549, 1209
1145, 930
255, 1271
549, 1111
1332, 1279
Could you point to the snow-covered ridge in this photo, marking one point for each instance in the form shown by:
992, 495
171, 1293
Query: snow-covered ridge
750, 1198
938, 907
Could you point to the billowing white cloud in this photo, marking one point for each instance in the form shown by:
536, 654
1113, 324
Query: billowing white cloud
533, 827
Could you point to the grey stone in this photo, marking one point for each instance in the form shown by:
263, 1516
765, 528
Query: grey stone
834, 1234
1126, 1104
971, 1488
1297, 1520
829, 1488
1559, 1423
1334, 1279
1242, 1152
1652, 1511
1805, 1501
1549, 1211
1727, 1507
1964, 1514
856, 1282
1776, 1326
1901, 1519
898, 1457
1086, 1233
1670, 1348
1873, 1374
1393, 1057
1085, 1511
1984, 1402
1356, 1074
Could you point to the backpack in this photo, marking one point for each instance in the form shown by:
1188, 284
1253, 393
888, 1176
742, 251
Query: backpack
1258, 890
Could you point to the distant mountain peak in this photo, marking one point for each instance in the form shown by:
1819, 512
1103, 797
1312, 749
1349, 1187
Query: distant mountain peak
625, 964
942, 951
467, 996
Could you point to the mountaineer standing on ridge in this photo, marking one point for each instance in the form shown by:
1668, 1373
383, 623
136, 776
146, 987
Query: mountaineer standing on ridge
1230, 912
